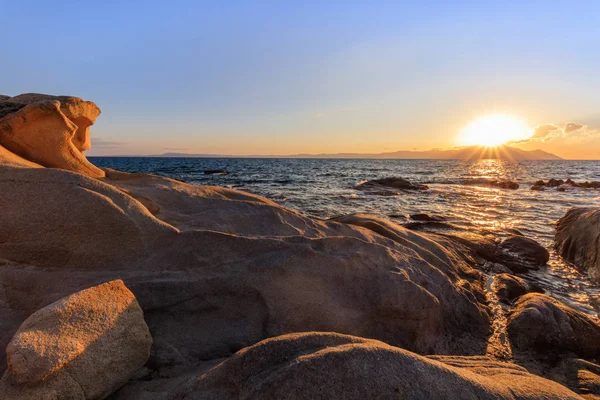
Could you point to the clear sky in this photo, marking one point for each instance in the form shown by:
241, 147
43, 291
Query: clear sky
284, 77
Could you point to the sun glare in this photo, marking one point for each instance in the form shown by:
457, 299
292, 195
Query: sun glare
494, 130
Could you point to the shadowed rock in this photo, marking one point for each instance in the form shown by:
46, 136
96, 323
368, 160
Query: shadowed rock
379, 185
544, 325
577, 239
84, 346
332, 366
216, 269
527, 251
509, 287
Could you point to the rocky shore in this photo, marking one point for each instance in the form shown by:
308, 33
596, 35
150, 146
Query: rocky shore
134, 286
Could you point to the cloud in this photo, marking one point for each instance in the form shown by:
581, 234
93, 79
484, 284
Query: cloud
175, 148
571, 126
317, 116
549, 132
106, 144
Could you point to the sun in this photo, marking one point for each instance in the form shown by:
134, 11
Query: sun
494, 130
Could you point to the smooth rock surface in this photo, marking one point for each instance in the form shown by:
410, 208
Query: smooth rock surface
577, 239
522, 250
216, 270
544, 325
332, 366
91, 342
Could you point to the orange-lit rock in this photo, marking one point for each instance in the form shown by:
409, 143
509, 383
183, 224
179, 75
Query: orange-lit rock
40, 132
85, 346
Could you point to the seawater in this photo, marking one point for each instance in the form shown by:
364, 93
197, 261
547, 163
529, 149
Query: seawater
324, 188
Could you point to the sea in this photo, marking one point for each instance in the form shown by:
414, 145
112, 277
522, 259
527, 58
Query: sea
326, 188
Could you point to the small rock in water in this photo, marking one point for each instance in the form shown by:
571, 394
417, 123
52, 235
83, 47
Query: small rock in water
527, 250
555, 182
538, 187
499, 183
426, 217
395, 183
215, 172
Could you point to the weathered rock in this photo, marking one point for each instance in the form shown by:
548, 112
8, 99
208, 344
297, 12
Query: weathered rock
216, 270
542, 324
89, 343
509, 287
41, 133
579, 375
539, 188
81, 113
525, 250
577, 239
395, 183
327, 365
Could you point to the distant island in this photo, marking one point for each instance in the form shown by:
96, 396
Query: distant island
461, 153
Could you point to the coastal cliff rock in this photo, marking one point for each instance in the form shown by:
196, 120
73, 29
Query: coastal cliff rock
307, 366
544, 325
51, 131
84, 346
578, 239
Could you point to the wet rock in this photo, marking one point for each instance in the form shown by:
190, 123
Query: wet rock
538, 187
525, 249
544, 325
395, 183
499, 183
329, 365
84, 346
426, 217
555, 182
560, 189
215, 172
577, 239
510, 287
590, 185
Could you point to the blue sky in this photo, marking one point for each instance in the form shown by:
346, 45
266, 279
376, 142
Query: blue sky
282, 77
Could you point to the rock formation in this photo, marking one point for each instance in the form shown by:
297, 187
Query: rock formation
84, 346
51, 131
217, 271
578, 239
544, 325
307, 366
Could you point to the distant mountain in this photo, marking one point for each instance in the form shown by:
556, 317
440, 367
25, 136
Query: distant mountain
460, 153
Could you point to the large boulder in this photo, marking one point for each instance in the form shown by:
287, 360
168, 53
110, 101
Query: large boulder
544, 325
213, 277
84, 346
52, 131
332, 366
577, 239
